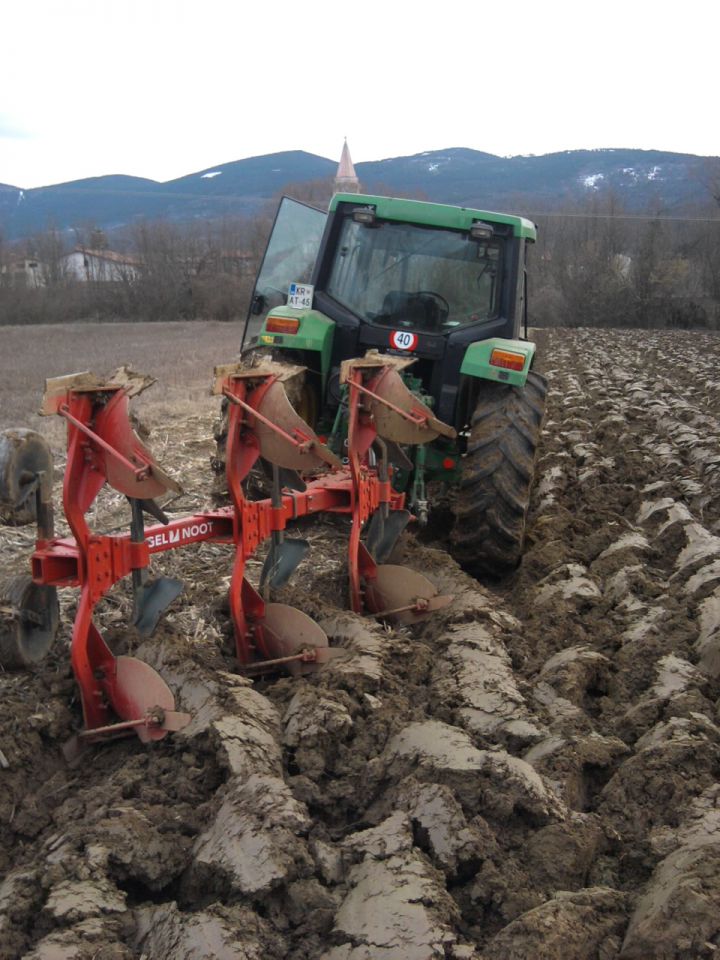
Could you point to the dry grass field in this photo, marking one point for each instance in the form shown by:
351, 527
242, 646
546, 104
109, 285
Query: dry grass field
533, 774
180, 355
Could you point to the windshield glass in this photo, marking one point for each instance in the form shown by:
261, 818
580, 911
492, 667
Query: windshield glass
289, 257
403, 275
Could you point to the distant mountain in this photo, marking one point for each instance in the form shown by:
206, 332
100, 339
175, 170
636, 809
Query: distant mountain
255, 178
638, 178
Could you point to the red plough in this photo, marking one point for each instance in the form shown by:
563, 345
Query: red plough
121, 693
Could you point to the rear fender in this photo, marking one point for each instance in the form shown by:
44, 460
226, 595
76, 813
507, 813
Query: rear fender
500, 360
314, 334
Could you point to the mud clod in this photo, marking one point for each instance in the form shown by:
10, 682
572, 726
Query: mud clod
677, 916
255, 842
225, 933
587, 925
397, 907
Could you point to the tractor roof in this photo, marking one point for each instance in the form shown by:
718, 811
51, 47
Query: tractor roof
434, 214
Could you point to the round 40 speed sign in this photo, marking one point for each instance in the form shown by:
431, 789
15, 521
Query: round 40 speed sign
403, 340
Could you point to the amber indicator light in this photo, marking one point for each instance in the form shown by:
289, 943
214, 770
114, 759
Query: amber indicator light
282, 325
503, 358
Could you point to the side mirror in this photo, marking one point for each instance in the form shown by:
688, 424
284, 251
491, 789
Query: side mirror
258, 305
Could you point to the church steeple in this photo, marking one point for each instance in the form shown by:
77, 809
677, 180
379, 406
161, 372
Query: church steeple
346, 180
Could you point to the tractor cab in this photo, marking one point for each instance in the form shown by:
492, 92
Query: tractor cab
401, 276
438, 285
412, 277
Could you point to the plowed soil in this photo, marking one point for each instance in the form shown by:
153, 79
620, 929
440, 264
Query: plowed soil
532, 774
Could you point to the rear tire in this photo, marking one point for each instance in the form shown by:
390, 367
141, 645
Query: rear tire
497, 477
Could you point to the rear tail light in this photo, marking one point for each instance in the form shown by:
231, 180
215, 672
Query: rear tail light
507, 359
282, 325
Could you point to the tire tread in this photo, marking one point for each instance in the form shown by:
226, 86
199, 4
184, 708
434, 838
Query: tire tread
497, 477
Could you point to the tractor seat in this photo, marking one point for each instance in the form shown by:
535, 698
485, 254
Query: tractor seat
413, 308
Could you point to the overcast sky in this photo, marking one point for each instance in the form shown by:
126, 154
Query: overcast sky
161, 88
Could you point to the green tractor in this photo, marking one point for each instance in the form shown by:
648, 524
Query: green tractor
446, 286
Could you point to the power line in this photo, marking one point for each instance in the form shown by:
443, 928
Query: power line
621, 216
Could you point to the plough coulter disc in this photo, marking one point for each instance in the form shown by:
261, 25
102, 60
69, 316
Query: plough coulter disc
391, 425
287, 632
25, 461
300, 449
402, 595
138, 691
29, 619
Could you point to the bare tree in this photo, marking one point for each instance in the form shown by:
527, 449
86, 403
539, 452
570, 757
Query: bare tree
50, 249
707, 172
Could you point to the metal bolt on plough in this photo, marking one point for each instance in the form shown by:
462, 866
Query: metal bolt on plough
121, 694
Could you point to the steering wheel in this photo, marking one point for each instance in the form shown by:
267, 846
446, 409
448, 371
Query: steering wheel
440, 299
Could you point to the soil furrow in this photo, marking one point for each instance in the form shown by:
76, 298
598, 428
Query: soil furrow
532, 773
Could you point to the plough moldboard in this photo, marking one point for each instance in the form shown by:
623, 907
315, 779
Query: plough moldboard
121, 693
